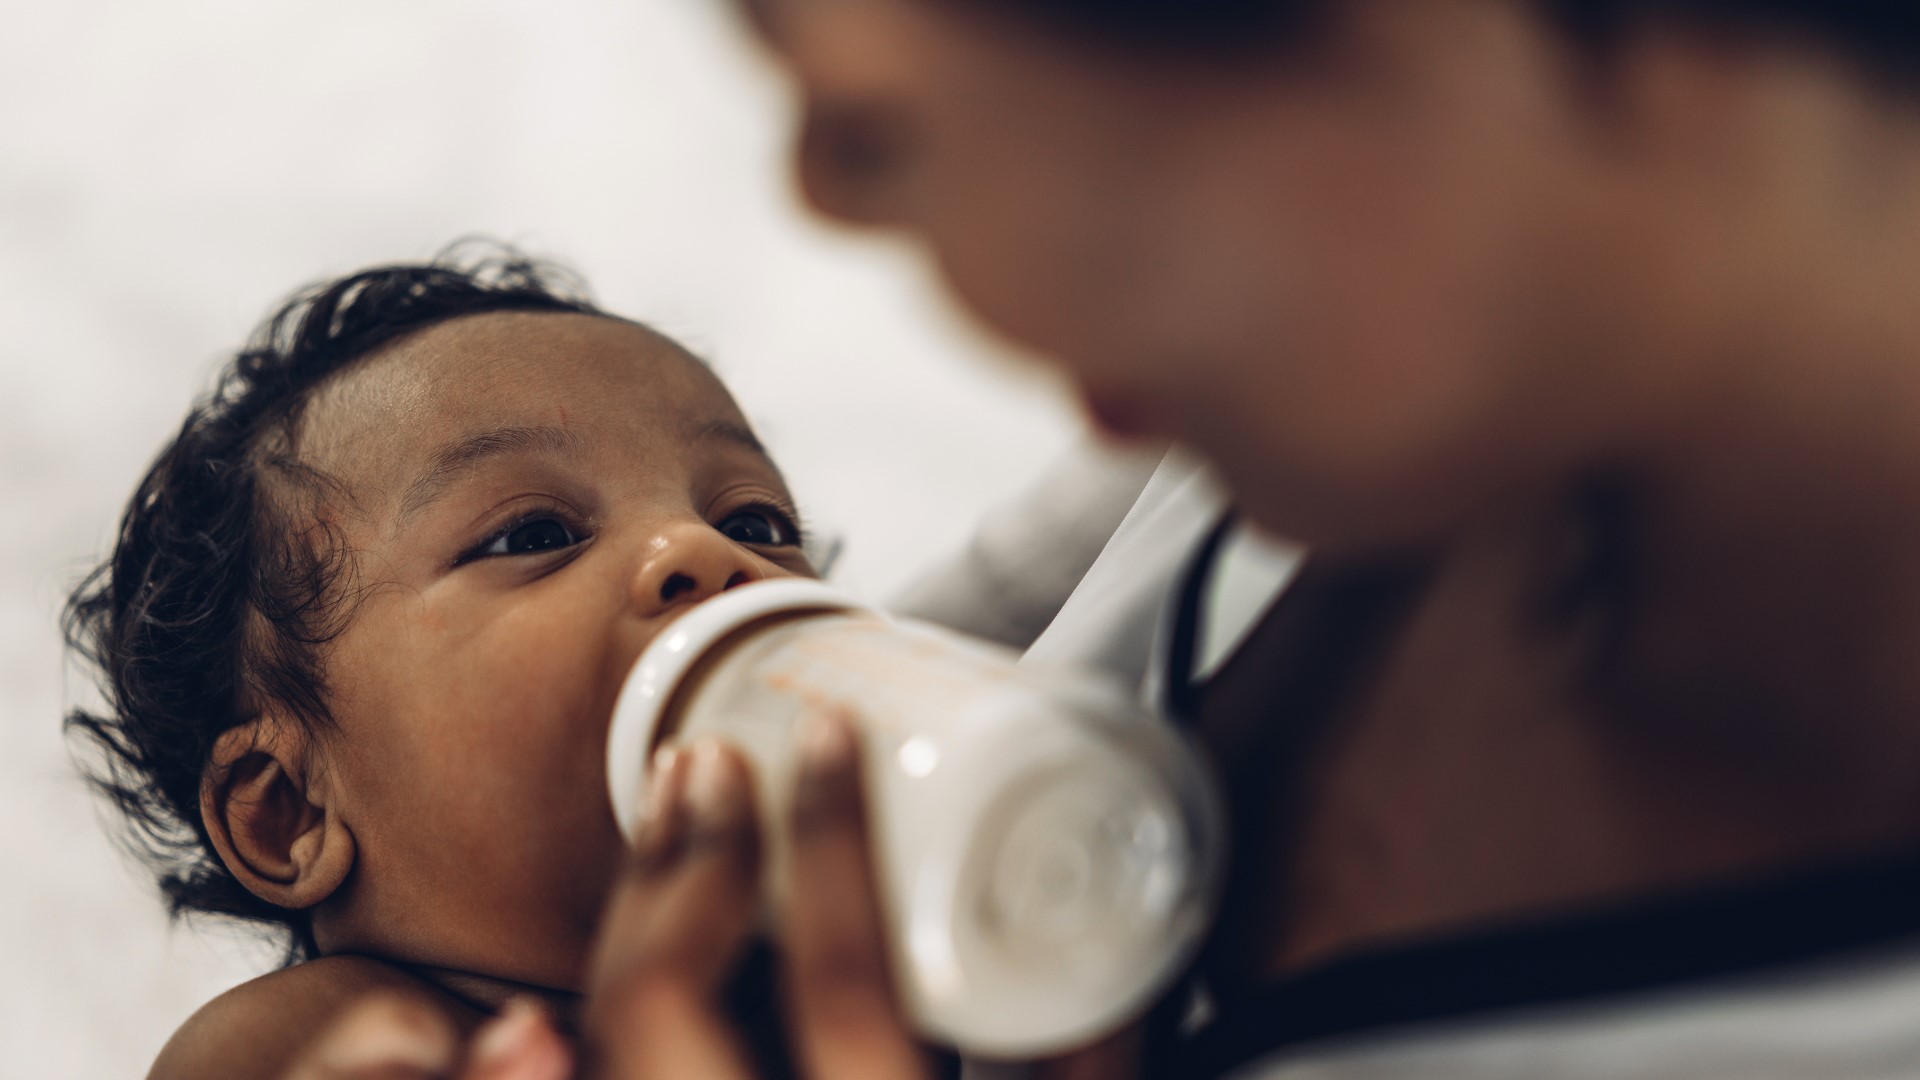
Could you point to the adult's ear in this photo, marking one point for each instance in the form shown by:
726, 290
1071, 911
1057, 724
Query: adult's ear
269, 814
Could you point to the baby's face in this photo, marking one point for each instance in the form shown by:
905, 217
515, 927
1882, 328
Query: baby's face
531, 497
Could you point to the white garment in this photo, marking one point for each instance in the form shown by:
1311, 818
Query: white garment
1113, 615
1078, 568
1029, 552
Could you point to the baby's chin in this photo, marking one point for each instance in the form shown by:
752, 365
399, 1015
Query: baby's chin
542, 939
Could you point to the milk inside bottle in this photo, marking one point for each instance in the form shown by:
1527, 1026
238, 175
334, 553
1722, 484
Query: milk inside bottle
1046, 853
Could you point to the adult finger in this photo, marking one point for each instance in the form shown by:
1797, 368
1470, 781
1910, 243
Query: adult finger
846, 1020
521, 1043
676, 923
382, 1037
1116, 1057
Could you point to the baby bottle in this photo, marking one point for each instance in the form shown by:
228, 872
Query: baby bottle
1046, 853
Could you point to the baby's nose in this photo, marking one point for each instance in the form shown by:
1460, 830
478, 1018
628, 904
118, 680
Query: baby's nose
687, 563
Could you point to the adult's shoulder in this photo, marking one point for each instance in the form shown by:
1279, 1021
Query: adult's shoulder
254, 1029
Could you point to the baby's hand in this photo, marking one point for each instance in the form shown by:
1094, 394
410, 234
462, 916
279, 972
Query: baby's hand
689, 900
390, 1038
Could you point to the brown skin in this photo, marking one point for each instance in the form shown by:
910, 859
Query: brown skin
450, 832
1407, 283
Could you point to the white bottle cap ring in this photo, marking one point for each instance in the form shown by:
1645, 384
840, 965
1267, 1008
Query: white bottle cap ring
657, 675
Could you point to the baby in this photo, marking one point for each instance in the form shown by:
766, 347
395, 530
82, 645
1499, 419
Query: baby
364, 624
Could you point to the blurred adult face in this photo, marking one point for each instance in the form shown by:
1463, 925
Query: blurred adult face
1346, 267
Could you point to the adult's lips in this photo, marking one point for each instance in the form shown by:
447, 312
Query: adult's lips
1119, 414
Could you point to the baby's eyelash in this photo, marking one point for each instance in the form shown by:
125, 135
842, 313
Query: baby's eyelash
784, 518
576, 533
794, 516
791, 515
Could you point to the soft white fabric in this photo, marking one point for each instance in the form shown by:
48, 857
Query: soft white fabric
1248, 576
1030, 551
1078, 568
1113, 616
1249, 573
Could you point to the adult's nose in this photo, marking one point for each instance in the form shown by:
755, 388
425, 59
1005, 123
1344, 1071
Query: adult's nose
852, 163
686, 563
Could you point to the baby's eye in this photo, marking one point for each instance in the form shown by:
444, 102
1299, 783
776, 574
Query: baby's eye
531, 537
758, 526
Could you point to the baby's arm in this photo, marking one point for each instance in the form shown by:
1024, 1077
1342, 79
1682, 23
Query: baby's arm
256, 1029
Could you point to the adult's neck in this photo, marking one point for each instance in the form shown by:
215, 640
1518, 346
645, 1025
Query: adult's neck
1738, 700
1735, 703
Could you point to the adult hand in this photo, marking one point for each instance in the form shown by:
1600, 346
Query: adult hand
688, 901
388, 1037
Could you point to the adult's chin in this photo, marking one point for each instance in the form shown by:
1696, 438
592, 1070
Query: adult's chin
1121, 415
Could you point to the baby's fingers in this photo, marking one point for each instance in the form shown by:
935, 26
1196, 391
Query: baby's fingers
846, 1020
676, 924
382, 1037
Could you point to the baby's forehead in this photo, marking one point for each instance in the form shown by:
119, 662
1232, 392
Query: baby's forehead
575, 372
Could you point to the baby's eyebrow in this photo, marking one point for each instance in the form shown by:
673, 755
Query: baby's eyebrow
728, 431
455, 458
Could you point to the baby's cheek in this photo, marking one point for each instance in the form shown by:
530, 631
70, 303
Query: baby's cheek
537, 720
518, 721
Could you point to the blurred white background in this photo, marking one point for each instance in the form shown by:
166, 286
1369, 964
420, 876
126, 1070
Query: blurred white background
169, 169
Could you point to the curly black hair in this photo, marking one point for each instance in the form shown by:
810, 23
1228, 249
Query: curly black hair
221, 591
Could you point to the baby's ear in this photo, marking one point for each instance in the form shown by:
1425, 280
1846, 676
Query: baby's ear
270, 817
